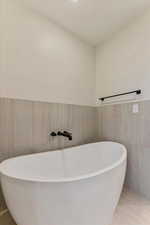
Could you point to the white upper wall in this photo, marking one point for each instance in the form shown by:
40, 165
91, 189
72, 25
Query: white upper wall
91, 20
123, 63
41, 61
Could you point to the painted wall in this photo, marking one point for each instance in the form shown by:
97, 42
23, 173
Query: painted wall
41, 61
123, 63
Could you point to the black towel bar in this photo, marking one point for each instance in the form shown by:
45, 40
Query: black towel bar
138, 92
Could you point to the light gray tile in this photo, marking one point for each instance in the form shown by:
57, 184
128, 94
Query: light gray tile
118, 123
6, 128
24, 126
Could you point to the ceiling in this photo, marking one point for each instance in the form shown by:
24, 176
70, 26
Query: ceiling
91, 20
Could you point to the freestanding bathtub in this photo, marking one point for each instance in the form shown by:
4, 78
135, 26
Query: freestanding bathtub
76, 186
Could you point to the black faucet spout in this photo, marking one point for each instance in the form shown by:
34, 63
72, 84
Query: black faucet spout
65, 134
69, 135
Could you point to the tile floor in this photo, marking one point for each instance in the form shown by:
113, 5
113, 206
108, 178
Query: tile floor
132, 210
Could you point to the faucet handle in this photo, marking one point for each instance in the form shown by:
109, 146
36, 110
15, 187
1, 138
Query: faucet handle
53, 134
59, 133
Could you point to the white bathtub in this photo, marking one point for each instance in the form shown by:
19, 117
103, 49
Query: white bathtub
76, 186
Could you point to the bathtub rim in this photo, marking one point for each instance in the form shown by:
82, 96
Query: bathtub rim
69, 179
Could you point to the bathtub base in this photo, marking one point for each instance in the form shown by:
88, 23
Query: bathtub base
86, 202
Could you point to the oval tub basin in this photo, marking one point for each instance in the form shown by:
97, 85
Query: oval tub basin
75, 186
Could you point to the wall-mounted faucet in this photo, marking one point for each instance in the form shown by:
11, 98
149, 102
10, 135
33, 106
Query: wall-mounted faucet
59, 133
65, 134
